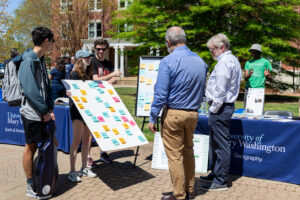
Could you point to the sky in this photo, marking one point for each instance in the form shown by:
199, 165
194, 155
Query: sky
12, 5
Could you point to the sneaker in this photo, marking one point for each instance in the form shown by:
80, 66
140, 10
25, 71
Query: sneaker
214, 187
74, 177
89, 162
105, 158
32, 194
209, 178
88, 173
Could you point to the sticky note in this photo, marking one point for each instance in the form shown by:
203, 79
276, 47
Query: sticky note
116, 99
105, 114
95, 119
83, 92
107, 105
76, 99
142, 72
148, 100
151, 67
75, 86
124, 119
112, 109
156, 67
143, 66
147, 107
105, 127
140, 103
115, 142
141, 138
116, 132
97, 134
117, 118
101, 85
122, 140
141, 97
83, 99
88, 112
101, 119
98, 99
122, 112
128, 132
149, 81
131, 123
80, 105
151, 99
110, 91
142, 79
125, 125
93, 84
100, 91
105, 136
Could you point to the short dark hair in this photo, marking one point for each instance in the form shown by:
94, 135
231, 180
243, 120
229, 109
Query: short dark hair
101, 42
40, 34
14, 52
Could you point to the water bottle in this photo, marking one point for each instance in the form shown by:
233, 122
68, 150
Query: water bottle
204, 106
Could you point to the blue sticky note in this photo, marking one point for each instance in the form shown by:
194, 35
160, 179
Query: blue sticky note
141, 103
95, 119
75, 86
122, 112
141, 97
115, 142
117, 118
141, 138
100, 91
142, 72
93, 85
148, 100
107, 105
104, 134
88, 112
105, 114
98, 99
128, 132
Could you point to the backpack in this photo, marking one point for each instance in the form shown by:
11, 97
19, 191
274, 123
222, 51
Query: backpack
11, 88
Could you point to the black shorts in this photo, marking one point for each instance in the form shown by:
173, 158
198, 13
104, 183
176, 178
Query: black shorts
35, 131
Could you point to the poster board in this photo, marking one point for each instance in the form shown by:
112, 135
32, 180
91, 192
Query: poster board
255, 102
201, 147
105, 114
148, 70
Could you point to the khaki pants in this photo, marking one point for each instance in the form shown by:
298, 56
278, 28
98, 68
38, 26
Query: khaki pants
177, 134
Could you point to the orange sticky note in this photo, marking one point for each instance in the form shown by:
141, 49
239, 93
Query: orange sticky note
112, 109
80, 105
83, 99
110, 91
147, 107
83, 92
143, 66
116, 132
142, 79
76, 99
105, 127
149, 81
97, 134
122, 140
151, 67
125, 125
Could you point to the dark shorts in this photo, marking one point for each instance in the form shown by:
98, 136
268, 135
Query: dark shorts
35, 131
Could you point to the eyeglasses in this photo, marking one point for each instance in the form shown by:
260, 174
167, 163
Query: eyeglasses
99, 49
212, 49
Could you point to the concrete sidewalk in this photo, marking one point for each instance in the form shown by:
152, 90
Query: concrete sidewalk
119, 181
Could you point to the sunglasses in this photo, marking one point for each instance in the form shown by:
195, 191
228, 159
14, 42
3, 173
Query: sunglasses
99, 49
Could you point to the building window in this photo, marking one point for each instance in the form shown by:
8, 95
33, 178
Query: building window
125, 28
124, 3
66, 5
64, 30
95, 5
95, 29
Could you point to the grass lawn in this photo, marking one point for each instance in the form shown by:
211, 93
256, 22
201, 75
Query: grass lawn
272, 102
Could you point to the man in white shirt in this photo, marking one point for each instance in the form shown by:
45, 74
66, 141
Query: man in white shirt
221, 92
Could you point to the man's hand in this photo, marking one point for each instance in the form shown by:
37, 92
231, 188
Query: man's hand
68, 93
251, 72
151, 127
266, 72
112, 81
52, 116
47, 117
116, 73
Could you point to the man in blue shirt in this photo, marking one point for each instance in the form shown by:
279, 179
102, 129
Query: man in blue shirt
179, 91
221, 92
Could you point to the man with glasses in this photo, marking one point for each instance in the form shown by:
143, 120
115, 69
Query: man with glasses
221, 92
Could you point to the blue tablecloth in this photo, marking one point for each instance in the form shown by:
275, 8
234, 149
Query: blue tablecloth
12, 132
263, 148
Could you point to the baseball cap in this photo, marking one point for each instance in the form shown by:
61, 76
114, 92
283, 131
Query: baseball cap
256, 47
83, 53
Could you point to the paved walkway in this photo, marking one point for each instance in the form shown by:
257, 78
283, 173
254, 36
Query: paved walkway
119, 181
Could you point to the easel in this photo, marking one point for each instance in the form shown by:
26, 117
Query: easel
138, 147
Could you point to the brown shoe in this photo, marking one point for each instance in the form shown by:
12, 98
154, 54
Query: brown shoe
168, 197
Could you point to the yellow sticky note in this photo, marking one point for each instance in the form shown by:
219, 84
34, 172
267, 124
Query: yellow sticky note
122, 140
97, 134
149, 81
112, 109
147, 107
116, 132
151, 67
80, 105
143, 66
83, 99
142, 79
125, 125
151, 99
83, 92
76, 99
105, 127
110, 91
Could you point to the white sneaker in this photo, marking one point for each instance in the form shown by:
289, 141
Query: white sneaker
73, 176
32, 194
88, 173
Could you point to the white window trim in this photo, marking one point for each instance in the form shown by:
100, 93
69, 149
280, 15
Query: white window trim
126, 4
64, 5
125, 28
95, 28
95, 6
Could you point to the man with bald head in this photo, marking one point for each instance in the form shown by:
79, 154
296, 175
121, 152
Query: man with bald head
179, 91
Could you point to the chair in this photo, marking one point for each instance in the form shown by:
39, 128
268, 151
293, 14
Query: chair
279, 113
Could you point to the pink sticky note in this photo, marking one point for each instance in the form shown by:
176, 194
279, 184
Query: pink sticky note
116, 99
124, 118
101, 85
101, 119
131, 123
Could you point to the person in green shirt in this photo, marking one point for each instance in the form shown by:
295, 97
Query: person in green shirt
256, 70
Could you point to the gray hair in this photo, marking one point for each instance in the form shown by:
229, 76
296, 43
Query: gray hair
176, 35
219, 40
